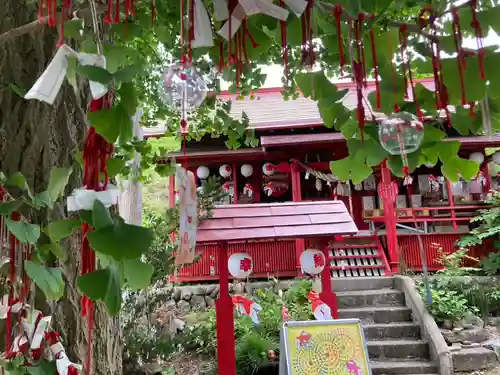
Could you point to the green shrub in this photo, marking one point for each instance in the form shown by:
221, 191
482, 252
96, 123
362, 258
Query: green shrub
252, 351
491, 264
446, 305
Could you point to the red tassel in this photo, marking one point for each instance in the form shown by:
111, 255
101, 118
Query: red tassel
117, 11
284, 44
375, 64
360, 109
404, 43
153, 12
307, 37
108, 18
457, 35
479, 39
337, 13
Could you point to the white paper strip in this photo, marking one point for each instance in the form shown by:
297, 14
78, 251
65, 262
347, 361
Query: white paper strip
83, 199
49, 83
297, 6
203, 36
220, 10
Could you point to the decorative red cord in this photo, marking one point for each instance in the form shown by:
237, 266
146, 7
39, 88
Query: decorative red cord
403, 40
479, 38
457, 36
107, 18
361, 20
244, 40
183, 12
191, 31
396, 106
221, 63
375, 64
284, 43
360, 109
117, 11
337, 13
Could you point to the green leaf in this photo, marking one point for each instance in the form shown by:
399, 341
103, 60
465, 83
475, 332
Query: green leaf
317, 86
43, 368
359, 170
341, 168
60, 229
71, 72
73, 29
17, 180
375, 153
42, 200
24, 232
137, 273
94, 73
128, 73
102, 285
56, 249
126, 127
432, 134
128, 99
101, 217
114, 166
467, 168
48, 279
9, 207
106, 124
86, 216
17, 90
116, 56
58, 180
121, 240
448, 149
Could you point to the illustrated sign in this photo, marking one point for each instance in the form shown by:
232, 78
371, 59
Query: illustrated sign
324, 347
186, 187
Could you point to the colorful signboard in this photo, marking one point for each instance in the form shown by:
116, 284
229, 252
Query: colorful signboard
323, 347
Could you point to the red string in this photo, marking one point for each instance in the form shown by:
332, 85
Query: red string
457, 36
404, 43
337, 13
183, 12
108, 19
375, 64
117, 11
221, 57
360, 109
479, 39
284, 43
361, 19
244, 41
153, 12
236, 59
396, 106
191, 31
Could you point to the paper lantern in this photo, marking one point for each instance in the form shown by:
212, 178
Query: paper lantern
401, 133
246, 170
496, 157
202, 172
478, 157
183, 88
225, 171
312, 261
268, 169
240, 265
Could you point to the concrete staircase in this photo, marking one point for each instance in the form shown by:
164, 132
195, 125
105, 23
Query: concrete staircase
395, 345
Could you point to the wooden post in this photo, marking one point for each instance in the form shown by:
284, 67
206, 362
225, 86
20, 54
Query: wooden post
388, 196
451, 204
171, 191
224, 315
327, 295
300, 244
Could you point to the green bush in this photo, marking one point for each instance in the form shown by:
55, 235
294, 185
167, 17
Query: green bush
491, 264
446, 305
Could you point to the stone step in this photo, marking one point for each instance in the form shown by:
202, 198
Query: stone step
370, 315
470, 359
408, 349
346, 284
377, 297
401, 367
399, 330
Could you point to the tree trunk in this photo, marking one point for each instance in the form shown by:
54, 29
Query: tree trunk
34, 137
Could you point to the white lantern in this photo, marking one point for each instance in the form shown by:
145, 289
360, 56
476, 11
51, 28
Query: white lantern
246, 170
478, 157
496, 157
202, 172
240, 265
268, 169
225, 171
312, 261
430, 165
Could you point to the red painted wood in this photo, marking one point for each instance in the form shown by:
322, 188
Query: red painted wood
299, 139
451, 203
297, 197
226, 355
256, 222
387, 195
327, 294
330, 218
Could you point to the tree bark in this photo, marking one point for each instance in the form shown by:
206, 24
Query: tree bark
34, 137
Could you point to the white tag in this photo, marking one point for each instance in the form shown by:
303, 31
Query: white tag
297, 6
224, 31
202, 28
39, 334
268, 8
220, 10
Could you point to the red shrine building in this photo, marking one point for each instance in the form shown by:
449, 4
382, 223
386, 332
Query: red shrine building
291, 164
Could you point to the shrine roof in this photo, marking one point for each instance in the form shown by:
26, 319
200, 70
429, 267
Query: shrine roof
276, 221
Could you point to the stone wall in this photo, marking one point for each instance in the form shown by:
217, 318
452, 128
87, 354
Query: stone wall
202, 297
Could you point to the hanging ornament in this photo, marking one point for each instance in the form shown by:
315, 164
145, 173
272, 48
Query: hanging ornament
320, 309
408, 180
312, 261
268, 169
479, 38
240, 265
285, 315
307, 35
461, 62
225, 171
202, 172
318, 184
401, 132
337, 13
434, 182
406, 67
183, 88
375, 63
496, 157
359, 74
228, 187
358, 187
246, 170
247, 307
478, 157
248, 190
275, 188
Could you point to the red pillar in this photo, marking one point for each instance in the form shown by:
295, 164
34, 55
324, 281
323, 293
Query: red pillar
300, 244
388, 194
224, 313
327, 295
